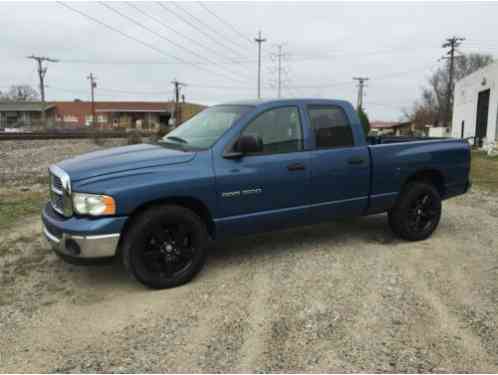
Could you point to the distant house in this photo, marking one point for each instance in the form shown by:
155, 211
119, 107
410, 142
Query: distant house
395, 128
475, 108
108, 115
22, 114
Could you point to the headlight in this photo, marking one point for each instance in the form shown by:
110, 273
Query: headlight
92, 204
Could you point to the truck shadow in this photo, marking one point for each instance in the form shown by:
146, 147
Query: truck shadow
359, 231
355, 232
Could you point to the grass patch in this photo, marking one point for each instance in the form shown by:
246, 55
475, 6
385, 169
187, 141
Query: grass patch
484, 171
16, 205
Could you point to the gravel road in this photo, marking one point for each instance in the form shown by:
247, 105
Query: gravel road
342, 296
26, 162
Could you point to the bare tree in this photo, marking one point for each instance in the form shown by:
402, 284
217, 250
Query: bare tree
20, 93
431, 107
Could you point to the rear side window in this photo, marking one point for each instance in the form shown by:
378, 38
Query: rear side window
330, 126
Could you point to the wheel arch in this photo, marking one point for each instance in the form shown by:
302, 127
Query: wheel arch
193, 204
433, 176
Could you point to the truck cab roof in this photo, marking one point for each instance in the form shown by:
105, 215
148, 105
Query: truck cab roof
271, 102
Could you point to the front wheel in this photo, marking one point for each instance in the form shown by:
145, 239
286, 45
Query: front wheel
417, 213
165, 246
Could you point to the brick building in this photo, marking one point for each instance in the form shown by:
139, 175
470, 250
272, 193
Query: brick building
78, 114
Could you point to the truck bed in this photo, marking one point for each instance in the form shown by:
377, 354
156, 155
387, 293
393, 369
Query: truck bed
379, 139
395, 159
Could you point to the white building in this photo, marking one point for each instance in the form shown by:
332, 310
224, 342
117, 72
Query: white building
475, 109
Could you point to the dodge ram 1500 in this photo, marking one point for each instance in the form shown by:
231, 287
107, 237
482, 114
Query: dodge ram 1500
243, 168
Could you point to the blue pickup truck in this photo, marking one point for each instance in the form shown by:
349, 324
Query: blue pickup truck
243, 168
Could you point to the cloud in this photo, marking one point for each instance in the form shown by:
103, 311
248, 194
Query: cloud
326, 44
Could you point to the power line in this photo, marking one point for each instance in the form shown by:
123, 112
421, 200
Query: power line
376, 78
233, 28
213, 30
159, 62
153, 62
157, 34
390, 51
191, 40
176, 14
114, 29
140, 92
148, 45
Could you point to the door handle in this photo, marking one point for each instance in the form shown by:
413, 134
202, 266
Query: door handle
296, 167
356, 160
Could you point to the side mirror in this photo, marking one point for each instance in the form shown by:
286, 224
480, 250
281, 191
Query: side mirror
246, 144
249, 144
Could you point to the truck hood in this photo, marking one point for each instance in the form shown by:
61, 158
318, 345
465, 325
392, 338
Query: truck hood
119, 159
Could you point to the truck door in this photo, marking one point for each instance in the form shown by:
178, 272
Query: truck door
267, 190
340, 169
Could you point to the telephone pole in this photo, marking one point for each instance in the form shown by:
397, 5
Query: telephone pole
361, 85
93, 85
259, 40
178, 111
42, 71
452, 43
279, 57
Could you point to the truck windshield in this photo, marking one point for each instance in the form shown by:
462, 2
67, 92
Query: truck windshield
204, 129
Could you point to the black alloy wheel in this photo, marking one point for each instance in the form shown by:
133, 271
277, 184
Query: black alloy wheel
165, 246
422, 213
169, 250
417, 212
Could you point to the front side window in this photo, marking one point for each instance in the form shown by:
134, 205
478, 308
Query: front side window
331, 127
205, 128
279, 129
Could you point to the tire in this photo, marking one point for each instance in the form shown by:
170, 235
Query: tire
165, 246
417, 212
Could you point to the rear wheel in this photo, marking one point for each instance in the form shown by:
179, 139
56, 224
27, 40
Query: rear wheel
417, 213
165, 246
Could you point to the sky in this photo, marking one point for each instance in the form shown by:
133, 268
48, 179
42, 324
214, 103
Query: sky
136, 49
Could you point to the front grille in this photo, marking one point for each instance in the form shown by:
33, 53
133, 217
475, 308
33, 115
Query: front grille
56, 182
60, 194
57, 202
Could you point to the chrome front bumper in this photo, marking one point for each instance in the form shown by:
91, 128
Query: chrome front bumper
85, 247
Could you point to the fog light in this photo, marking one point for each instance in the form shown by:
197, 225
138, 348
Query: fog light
72, 247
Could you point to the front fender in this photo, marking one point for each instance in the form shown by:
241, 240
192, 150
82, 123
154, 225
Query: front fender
132, 189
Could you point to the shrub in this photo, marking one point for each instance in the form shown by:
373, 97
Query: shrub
134, 137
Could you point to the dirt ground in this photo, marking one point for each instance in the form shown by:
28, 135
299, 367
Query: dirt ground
25, 163
342, 296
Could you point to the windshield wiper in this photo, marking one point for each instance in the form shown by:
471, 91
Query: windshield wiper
178, 139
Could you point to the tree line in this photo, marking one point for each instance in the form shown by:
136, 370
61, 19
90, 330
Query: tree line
20, 93
431, 107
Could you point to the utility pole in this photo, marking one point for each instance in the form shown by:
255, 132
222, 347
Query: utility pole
259, 40
93, 85
42, 71
361, 85
452, 43
279, 57
178, 111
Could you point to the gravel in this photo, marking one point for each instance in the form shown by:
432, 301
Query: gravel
343, 296
26, 162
